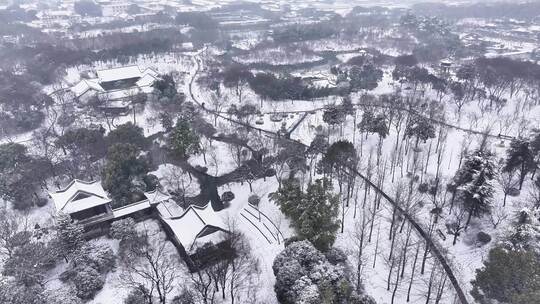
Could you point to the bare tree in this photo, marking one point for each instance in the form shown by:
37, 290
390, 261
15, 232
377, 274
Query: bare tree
456, 224
359, 237
150, 268
413, 271
497, 216
243, 274
508, 181
432, 281
534, 194
235, 273
204, 285
205, 147
177, 182
217, 103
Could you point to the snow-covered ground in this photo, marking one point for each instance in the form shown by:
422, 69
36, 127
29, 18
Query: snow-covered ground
266, 234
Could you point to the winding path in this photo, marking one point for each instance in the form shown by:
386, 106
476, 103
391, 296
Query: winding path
429, 241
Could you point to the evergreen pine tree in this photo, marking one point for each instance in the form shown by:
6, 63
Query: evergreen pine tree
474, 183
318, 223
69, 235
520, 157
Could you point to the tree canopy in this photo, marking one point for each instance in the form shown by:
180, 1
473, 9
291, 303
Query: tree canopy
508, 276
314, 212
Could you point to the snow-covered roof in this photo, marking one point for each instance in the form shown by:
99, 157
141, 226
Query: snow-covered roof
191, 225
84, 86
187, 45
152, 198
446, 61
120, 73
79, 195
151, 72
168, 209
49, 13
132, 208
146, 80
121, 94
156, 197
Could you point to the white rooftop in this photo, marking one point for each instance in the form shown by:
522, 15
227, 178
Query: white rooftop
152, 198
79, 195
156, 197
120, 73
85, 85
146, 80
189, 226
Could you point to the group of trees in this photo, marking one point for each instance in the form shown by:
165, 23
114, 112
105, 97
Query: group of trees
474, 183
22, 176
146, 264
510, 272
166, 91
491, 81
518, 11
124, 174
45, 61
197, 20
508, 276
304, 32
434, 37
270, 86
21, 103
78, 153
488, 81
307, 275
87, 263
29, 252
365, 77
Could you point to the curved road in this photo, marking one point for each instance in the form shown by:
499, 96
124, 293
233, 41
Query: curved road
429, 241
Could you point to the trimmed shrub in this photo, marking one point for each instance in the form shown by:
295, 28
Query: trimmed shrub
87, 281
483, 238
254, 200
137, 296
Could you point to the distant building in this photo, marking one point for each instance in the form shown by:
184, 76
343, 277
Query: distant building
116, 85
114, 8
62, 18
446, 66
9, 39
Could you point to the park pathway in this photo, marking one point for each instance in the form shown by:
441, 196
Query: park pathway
432, 245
